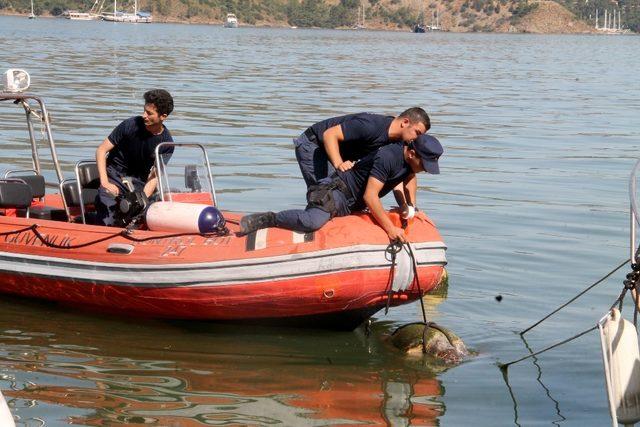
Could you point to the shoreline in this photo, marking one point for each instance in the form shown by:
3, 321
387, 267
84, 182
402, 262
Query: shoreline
167, 20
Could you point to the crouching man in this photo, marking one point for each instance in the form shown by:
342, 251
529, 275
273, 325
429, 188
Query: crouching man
129, 151
361, 186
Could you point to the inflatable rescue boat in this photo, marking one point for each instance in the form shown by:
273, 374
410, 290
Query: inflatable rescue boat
169, 260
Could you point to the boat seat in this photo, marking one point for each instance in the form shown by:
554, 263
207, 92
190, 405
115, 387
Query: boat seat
31, 178
71, 197
15, 194
37, 184
87, 183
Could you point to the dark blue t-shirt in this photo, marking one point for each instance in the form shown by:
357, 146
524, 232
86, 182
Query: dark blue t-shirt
387, 165
134, 151
363, 133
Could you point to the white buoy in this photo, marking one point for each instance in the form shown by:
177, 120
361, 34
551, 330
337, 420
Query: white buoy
6, 419
621, 358
183, 217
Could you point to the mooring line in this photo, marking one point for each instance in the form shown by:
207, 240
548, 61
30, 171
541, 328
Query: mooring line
503, 366
576, 297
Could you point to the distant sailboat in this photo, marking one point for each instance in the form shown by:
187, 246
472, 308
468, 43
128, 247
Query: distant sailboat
32, 15
360, 25
128, 17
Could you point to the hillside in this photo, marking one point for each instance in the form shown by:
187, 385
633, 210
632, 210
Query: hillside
542, 16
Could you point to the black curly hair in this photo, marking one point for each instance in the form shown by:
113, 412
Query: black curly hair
161, 99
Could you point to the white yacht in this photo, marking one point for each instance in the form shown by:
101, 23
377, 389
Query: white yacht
231, 21
81, 16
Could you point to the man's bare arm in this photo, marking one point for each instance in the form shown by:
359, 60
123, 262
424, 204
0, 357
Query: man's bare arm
373, 202
332, 138
101, 160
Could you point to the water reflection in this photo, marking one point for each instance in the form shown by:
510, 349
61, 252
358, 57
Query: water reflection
107, 372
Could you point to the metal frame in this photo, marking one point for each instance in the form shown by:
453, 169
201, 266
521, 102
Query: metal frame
79, 185
23, 99
64, 199
161, 173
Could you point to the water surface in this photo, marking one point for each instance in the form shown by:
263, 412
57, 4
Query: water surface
540, 134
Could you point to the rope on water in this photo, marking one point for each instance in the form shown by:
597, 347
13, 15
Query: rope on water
504, 366
576, 297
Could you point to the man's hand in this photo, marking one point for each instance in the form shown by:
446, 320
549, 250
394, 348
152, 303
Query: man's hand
346, 165
397, 233
111, 188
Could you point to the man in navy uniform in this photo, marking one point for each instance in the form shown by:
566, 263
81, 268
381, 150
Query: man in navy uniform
129, 151
337, 143
358, 187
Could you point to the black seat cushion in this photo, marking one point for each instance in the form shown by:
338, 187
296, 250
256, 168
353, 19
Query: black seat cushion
15, 194
36, 182
89, 176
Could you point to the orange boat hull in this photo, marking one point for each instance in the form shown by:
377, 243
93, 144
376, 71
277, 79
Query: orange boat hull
339, 275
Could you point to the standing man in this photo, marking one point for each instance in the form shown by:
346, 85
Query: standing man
337, 143
129, 151
361, 186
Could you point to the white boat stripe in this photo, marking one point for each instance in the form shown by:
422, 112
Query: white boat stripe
219, 264
219, 275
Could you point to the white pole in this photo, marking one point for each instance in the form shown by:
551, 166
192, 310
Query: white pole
613, 27
596, 19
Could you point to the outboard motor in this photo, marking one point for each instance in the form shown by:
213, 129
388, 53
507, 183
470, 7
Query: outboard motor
130, 206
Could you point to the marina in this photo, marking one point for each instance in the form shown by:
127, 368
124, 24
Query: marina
532, 202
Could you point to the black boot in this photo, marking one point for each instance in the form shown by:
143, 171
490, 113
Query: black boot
256, 221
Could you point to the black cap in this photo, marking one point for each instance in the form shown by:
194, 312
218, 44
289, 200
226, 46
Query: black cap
429, 149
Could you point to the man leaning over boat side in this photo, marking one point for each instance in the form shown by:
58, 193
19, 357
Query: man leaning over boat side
129, 151
358, 187
339, 142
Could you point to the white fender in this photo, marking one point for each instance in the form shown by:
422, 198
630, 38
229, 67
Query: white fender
621, 359
403, 273
182, 217
6, 419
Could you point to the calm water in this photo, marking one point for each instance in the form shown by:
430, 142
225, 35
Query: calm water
540, 133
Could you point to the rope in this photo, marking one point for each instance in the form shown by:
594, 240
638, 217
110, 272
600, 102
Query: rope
504, 366
417, 279
576, 297
618, 302
392, 250
126, 234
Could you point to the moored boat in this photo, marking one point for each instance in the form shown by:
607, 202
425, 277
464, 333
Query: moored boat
337, 276
231, 21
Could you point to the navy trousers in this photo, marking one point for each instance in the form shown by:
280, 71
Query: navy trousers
106, 202
312, 218
312, 159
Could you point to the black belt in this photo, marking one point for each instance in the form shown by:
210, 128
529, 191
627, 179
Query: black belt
311, 135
